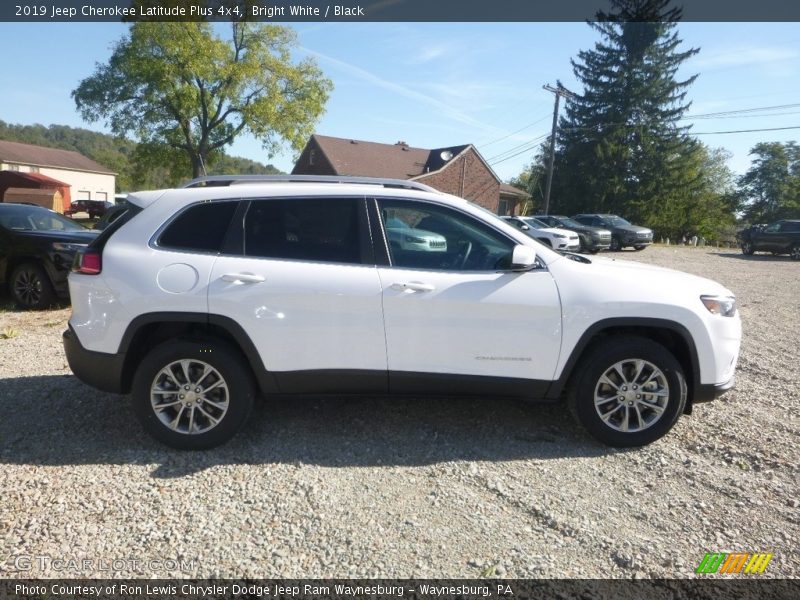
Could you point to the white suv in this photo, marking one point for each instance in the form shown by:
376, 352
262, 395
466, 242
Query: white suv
197, 299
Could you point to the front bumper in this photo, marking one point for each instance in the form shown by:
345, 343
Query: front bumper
596, 244
97, 369
706, 392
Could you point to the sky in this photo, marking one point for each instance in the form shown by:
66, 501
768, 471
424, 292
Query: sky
434, 85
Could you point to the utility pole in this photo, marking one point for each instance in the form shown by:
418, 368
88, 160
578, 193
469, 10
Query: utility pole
558, 91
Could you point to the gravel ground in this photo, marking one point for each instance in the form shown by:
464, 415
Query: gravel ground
407, 488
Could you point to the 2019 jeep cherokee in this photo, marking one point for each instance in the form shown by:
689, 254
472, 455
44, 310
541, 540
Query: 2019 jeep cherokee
198, 298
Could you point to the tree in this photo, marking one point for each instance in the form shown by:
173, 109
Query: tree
180, 87
771, 186
620, 146
531, 180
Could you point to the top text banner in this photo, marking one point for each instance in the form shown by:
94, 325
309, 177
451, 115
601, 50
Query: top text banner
374, 10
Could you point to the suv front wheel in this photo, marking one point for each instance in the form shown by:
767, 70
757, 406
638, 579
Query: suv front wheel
630, 391
193, 395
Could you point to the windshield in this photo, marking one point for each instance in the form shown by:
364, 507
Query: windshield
31, 218
617, 221
534, 223
569, 223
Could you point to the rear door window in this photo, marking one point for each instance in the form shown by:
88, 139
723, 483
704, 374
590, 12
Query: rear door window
311, 229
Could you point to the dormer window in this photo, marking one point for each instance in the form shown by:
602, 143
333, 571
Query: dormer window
312, 155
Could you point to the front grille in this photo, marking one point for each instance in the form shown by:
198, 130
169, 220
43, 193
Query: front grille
605, 236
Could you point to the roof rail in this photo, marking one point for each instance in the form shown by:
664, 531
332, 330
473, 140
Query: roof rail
228, 180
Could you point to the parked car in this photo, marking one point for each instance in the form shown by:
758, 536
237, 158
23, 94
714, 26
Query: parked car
404, 237
196, 299
94, 208
557, 239
623, 234
593, 239
37, 247
781, 237
111, 215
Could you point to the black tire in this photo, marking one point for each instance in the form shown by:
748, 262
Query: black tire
593, 250
587, 381
794, 253
31, 287
639, 248
747, 248
236, 395
616, 244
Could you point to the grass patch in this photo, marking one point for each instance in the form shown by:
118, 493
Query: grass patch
8, 333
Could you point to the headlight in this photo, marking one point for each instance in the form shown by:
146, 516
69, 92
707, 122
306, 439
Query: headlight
63, 247
720, 305
559, 235
412, 239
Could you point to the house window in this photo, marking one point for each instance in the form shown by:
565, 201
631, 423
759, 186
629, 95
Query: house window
13, 167
312, 155
100, 196
83, 195
34, 169
502, 209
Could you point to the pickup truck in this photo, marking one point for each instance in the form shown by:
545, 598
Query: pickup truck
780, 237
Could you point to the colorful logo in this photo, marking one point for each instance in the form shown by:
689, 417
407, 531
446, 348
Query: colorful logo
735, 562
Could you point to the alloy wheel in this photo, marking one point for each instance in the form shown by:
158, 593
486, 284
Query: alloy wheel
189, 396
631, 395
28, 287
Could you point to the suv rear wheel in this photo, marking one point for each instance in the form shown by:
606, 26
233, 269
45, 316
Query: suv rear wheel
630, 392
794, 253
747, 248
193, 395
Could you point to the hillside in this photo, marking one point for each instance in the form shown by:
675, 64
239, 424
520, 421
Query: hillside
120, 155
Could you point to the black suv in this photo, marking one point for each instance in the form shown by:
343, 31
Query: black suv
37, 246
781, 237
623, 233
593, 239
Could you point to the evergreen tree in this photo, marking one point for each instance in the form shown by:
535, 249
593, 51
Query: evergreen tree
771, 186
620, 147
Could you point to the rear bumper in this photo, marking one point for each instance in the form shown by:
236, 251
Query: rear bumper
97, 369
706, 392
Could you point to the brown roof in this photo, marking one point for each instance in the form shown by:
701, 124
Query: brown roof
371, 159
14, 152
510, 190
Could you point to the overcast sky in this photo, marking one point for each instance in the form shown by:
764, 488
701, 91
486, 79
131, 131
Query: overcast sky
435, 85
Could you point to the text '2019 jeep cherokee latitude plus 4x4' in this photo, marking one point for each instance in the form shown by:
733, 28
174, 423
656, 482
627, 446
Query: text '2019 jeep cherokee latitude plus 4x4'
198, 298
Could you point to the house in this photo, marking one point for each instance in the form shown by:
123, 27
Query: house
87, 180
458, 170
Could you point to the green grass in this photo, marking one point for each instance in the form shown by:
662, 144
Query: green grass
8, 334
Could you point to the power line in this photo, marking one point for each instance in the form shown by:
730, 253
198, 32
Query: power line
739, 111
529, 145
514, 132
745, 130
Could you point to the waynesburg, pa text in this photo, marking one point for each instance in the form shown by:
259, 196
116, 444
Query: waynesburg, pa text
256, 590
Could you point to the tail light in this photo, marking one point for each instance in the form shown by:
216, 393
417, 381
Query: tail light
88, 262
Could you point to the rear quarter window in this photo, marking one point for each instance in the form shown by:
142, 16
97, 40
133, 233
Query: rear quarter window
199, 228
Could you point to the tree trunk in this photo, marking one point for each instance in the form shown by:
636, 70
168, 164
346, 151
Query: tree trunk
197, 165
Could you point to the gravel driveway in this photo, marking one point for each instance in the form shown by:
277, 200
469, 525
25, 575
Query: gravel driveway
406, 488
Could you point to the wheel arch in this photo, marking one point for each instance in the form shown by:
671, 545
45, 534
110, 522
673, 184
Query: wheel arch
670, 334
148, 330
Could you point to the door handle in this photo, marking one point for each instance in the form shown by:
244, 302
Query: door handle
242, 278
414, 286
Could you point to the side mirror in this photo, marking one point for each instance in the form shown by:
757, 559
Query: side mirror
523, 258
